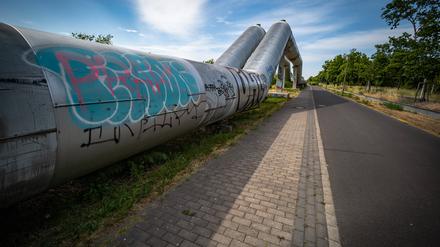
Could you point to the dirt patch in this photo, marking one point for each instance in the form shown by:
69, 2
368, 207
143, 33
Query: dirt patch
433, 106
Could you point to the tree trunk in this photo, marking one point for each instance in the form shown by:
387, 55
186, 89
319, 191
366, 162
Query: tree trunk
423, 91
417, 92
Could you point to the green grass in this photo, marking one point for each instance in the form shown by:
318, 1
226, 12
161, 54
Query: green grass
72, 212
402, 95
365, 102
292, 90
393, 106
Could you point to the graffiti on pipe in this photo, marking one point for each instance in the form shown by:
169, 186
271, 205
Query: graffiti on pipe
223, 87
104, 134
253, 88
113, 88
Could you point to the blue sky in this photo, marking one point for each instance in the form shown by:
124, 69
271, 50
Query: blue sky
203, 29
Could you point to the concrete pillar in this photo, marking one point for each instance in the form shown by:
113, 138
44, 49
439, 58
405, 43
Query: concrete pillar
295, 77
282, 75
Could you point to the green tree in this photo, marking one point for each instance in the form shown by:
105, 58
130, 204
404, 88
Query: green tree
103, 39
421, 14
406, 60
414, 57
210, 61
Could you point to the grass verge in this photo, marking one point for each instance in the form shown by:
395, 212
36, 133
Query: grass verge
420, 121
392, 106
71, 213
398, 96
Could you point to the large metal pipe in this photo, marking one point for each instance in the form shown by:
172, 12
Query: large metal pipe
292, 54
284, 70
238, 53
69, 107
277, 42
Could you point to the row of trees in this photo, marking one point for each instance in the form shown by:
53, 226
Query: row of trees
406, 60
103, 39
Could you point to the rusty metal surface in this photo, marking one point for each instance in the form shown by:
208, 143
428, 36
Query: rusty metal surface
90, 105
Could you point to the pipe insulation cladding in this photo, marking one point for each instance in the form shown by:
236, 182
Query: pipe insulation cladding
69, 107
268, 54
239, 52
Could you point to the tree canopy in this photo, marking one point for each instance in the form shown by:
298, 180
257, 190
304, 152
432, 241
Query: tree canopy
210, 61
103, 39
402, 61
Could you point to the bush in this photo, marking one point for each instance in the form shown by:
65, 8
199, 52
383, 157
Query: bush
393, 106
365, 102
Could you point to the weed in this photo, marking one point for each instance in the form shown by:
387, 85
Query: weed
393, 106
365, 102
188, 212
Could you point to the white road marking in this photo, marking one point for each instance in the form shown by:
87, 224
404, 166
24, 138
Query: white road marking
330, 215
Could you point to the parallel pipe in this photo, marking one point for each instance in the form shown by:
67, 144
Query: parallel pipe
69, 107
292, 54
238, 53
268, 54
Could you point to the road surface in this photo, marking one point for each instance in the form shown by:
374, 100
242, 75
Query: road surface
384, 174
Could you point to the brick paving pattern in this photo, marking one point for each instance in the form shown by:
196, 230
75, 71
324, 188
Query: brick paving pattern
266, 190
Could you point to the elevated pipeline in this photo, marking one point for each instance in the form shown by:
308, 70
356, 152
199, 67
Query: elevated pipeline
238, 53
277, 42
69, 107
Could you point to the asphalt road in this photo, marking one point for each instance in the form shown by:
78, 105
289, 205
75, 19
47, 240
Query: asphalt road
385, 175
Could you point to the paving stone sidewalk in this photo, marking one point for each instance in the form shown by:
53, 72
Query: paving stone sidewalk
266, 190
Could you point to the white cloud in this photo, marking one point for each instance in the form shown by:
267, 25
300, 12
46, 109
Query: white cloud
222, 20
359, 39
65, 34
311, 29
321, 34
28, 22
200, 49
128, 30
174, 17
303, 20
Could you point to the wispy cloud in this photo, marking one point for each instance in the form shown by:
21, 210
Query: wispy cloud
28, 22
311, 29
318, 27
304, 20
135, 31
128, 30
358, 39
222, 20
174, 17
65, 34
203, 48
